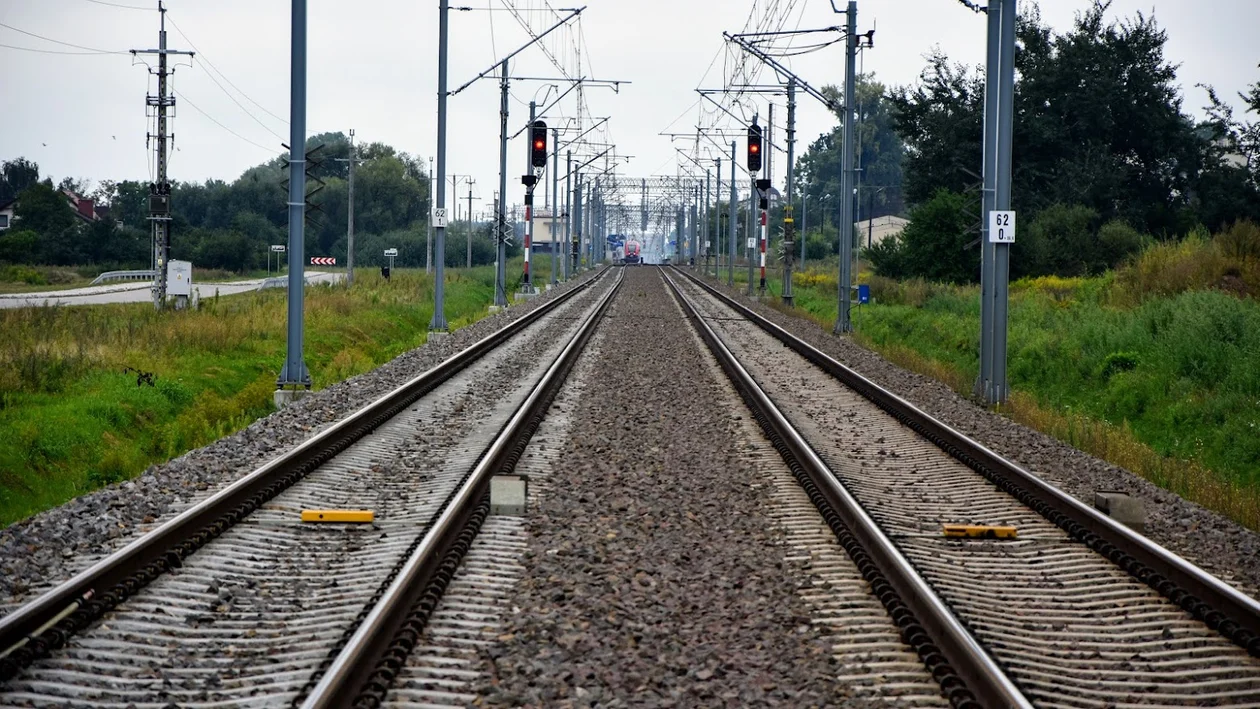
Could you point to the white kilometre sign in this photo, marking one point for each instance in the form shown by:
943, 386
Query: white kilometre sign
439, 216
1002, 227
391, 252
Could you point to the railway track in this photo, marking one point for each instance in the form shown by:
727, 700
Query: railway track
1077, 611
235, 603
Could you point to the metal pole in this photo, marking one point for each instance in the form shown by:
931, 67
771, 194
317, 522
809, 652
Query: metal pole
989, 171
428, 238
804, 226
1002, 252
708, 242
568, 208
500, 261
717, 217
747, 232
350, 218
294, 372
555, 200
789, 225
843, 323
162, 226
438, 323
527, 284
730, 225
469, 225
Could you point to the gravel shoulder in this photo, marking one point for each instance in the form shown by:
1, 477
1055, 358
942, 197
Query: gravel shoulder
656, 572
51, 546
1215, 543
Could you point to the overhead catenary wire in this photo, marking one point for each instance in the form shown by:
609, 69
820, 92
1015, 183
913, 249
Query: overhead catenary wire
229, 130
206, 59
57, 41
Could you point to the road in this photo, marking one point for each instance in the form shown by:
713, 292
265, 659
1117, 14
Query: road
139, 292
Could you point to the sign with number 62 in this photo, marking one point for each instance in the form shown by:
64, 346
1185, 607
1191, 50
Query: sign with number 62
1002, 227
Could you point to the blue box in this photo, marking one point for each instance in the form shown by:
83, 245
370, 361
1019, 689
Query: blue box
864, 294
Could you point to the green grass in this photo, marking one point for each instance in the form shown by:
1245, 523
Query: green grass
1164, 382
71, 418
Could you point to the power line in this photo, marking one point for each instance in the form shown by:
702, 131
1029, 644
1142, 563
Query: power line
57, 41
217, 123
114, 4
54, 51
225, 78
246, 110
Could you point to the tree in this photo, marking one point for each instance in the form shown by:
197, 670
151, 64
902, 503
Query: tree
15, 176
44, 210
935, 245
1098, 123
878, 145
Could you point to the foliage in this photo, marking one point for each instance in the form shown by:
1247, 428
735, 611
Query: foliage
72, 420
1100, 125
16, 175
878, 147
935, 245
1228, 262
1165, 386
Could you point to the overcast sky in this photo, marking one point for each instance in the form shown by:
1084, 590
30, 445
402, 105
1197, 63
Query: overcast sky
373, 67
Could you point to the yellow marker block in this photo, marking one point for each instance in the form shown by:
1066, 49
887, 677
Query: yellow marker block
337, 515
979, 531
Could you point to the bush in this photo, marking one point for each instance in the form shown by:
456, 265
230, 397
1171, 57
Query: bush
22, 274
1060, 241
935, 244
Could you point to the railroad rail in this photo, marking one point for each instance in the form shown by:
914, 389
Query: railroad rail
1077, 610
50, 622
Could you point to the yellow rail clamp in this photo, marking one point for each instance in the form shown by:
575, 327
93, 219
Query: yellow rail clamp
979, 531
337, 515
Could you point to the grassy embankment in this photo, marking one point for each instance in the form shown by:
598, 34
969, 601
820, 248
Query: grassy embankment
72, 420
1154, 367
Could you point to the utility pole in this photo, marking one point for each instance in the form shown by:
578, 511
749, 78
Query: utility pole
530, 180
553, 198
568, 209
996, 245
471, 182
843, 323
577, 222
428, 238
500, 263
160, 191
717, 218
708, 243
352, 160
789, 225
438, 322
294, 374
730, 224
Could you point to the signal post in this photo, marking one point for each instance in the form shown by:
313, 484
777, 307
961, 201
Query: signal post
537, 163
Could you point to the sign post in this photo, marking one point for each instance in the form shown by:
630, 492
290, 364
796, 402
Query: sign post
275, 249
390, 254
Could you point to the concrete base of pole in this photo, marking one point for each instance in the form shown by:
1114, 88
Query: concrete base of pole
496, 308
283, 397
549, 287
435, 335
526, 294
787, 300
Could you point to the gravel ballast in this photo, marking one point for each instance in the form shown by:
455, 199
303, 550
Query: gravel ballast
656, 572
1210, 540
51, 546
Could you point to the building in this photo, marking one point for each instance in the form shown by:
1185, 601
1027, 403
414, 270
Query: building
873, 231
84, 208
543, 239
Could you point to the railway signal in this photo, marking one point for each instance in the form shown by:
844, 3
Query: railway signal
754, 148
538, 144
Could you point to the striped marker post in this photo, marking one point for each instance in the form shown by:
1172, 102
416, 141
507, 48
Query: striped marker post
764, 234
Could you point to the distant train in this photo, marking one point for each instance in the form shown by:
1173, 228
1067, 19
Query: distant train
633, 254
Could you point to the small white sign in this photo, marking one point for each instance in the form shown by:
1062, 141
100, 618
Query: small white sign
707, 243
439, 217
278, 248
752, 242
391, 252
1002, 227
179, 278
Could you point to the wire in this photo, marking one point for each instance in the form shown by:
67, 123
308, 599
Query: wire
54, 51
217, 123
206, 59
57, 41
246, 110
114, 4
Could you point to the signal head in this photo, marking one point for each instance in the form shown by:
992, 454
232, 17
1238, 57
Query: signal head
538, 144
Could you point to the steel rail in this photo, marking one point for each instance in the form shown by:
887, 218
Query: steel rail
1220, 606
984, 680
356, 665
48, 621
